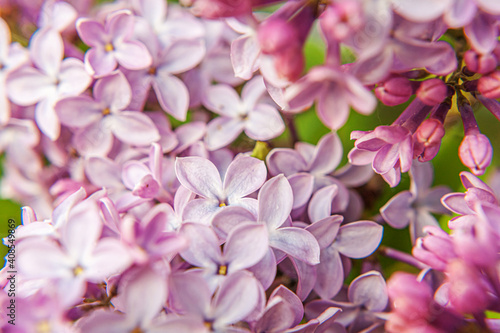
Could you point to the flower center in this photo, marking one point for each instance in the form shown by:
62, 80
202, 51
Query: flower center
77, 270
108, 47
43, 327
222, 270
137, 330
106, 111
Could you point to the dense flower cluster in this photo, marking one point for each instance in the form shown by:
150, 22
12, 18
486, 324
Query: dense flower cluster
125, 130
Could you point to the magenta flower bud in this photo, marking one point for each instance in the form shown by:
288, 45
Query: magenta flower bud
436, 249
477, 245
341, 19
428, 139
147, 188
432, 92
290, 64
480, 63
394, 91
409, 297
213, 9
476, 152
489, 85
276, 36
467, 292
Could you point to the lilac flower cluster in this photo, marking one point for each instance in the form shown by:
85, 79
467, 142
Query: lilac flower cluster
127, 129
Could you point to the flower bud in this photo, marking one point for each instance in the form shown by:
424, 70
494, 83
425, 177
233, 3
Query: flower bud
428, 139
341, 19
432, 92
467, 292
394, 91
290, 64
147, 188
476, 152
435, 249
489, 85
276, 36
480, 63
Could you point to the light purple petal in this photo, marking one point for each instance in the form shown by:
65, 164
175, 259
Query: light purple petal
95, 139
327, 156
333, 108
482, 33
325, 230
359, 97
432, 200
91, 32
103, 172
286, 161
246, 245
200, 176
456, 203
78, 111
105, 321
306, 275
490, 6
134, 128
370, 291
302, 184
182, 56
190, 293
244, 176
245, 51
230, 217
113, 91
354, 175
297, 243
108, 258
423, 11
265, 270
276, 308
99, 62
264, 123
330, 274
359, 239
360, 157
320, 205
201, 210
237, 298
133, 172
221, 131
204, 250
27, 86
460, 13
73, 78
397, 212
39, 258
223, 100
386, 158
133, 55
46, 118
172, 95
47, 50
275, 202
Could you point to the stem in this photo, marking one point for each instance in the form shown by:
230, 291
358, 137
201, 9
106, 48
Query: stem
400, 256
415, 106
468, 119
289, 119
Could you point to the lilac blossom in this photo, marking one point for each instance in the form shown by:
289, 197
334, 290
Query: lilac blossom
105, 115
52, 79
111, 44
260, 121
12, 55
413, 207
244, 176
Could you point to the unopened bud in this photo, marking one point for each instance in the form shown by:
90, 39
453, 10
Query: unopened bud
476, 152
480, 63
276, 36
428, 139
290, 64
394, 91
489, 85
432, 92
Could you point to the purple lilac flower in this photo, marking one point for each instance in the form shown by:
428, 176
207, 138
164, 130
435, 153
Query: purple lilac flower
111, 44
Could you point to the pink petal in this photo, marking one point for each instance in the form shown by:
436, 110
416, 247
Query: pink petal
91, 32
424, 11
99, 62
78, 111
46, 118
27, 86
302, 184
113, 91
95, 139
246, 245
73, 78
286, 161
181, 56
229, 218
244, 176
320, 205
133, 55
120, 25
327, 155
245, 52
47, 51
330, 274
264, 123
236, 299
133, 172
172, 95
108, 258
204, 250
297, 243
333, 107
221, 131
359, 239
223, 100
482, 33
200, 176
40, 258
134, 128
275, 202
